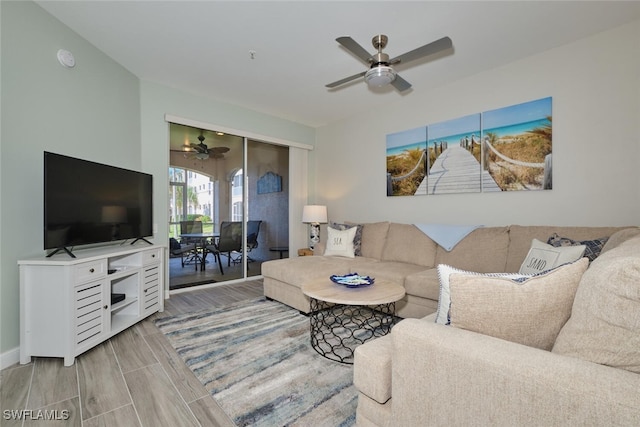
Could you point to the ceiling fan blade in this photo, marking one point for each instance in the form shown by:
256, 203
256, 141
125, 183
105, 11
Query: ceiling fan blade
345, 80
199, 147
400, 83
352, 46
428, 49
218, 150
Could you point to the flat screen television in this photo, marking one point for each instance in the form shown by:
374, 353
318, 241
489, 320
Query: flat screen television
87, 202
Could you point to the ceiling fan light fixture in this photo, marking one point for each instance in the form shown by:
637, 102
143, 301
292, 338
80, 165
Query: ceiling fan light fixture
202, 156
379, 76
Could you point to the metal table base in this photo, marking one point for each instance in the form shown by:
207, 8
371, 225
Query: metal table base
337, 329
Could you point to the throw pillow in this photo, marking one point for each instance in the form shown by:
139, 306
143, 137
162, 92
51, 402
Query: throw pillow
592, 247
543, 257
340, 242
530, 312
604, 326
357, 240
444, 298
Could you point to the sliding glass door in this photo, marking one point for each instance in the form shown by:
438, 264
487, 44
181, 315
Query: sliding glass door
235, 191
267, 203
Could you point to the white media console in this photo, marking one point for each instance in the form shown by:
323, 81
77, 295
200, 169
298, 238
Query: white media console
66, 303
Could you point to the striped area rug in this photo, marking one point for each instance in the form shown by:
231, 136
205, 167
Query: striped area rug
255, 359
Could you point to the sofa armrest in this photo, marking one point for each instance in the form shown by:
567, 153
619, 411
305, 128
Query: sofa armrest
448, 376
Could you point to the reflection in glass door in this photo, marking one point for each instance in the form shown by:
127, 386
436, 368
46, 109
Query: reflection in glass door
237, 191
267, 203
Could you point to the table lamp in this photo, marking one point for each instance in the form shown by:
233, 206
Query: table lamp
314, 215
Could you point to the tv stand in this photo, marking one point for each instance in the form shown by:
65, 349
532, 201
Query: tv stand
143, 239
62, 248
70, 305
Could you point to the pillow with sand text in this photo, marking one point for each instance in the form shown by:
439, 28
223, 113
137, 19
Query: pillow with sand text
340, 242
543, 257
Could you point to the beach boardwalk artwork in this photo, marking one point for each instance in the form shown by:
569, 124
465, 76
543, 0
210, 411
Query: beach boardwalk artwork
406, 162
517, 145
441, 158
506, 149
454, 154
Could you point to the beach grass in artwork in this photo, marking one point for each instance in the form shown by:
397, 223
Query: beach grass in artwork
399, 165
510, 149
520, 140
405, 161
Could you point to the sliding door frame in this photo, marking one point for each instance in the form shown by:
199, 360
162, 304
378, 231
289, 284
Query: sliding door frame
298, 185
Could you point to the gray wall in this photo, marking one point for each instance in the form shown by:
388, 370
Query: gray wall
91, 111
595, 87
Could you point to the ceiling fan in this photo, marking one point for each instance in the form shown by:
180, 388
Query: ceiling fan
202, 151
381, 72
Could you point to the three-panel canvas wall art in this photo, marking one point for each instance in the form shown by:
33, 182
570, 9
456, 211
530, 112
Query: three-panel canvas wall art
507, 149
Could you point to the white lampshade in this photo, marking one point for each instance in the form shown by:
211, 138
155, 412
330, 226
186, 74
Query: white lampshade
314, 214
380, 76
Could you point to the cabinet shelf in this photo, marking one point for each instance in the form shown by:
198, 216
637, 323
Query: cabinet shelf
115, 272
122, 304
65, 304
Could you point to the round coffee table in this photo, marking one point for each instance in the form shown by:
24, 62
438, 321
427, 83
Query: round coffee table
342, 318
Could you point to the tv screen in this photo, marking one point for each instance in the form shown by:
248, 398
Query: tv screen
87, 202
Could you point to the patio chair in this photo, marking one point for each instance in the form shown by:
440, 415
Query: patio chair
229, 242
186, 252
193, 227
253, 229
190, 227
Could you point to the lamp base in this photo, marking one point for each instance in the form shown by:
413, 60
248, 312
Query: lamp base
314, 236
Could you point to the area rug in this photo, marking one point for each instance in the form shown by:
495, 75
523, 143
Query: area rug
255, 359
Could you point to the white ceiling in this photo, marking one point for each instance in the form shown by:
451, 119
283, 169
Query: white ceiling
203, 47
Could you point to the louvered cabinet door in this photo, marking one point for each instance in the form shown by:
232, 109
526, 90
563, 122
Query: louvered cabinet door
91, 315
151, 289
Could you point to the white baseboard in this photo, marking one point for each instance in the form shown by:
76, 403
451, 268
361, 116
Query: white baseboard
9, 358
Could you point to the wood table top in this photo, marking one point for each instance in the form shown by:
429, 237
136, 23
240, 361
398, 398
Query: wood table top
380, 292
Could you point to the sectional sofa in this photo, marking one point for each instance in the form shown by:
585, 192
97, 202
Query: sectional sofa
405, 255
429, 374
492, 370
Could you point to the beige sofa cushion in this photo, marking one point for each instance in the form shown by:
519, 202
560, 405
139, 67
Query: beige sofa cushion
389, 270
531, 313
299, 270
374, 236
406, 243
484, 250
605, 322
620, 236
424, 284
521, 236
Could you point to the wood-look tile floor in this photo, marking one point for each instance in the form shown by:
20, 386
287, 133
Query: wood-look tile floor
134, 379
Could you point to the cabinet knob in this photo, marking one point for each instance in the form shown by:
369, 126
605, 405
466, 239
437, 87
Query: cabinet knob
106, 307
153, 256
145, 291
91, 270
